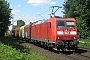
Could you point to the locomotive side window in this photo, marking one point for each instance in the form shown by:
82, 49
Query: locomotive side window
60, 24
70, 24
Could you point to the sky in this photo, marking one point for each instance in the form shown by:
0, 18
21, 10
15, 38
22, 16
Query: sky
33, 10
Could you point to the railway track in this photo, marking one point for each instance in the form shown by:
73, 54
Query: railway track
79, 54
76, 56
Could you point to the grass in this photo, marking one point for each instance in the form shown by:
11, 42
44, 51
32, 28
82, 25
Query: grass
85, 43
10, 49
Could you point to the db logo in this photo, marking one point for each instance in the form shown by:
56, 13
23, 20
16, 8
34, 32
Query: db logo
66, 32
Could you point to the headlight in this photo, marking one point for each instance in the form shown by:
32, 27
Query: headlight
73, 32
59, 32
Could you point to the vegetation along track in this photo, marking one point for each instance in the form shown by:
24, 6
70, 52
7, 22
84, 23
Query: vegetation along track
79, 54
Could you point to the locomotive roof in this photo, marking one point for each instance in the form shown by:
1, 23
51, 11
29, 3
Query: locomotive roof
71, 19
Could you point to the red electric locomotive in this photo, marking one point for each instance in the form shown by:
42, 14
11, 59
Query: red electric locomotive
56, 32
60, 33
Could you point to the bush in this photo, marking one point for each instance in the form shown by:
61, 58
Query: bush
10, 49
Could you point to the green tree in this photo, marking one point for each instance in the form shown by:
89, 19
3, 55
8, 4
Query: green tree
4, 16
80, 10
20, 23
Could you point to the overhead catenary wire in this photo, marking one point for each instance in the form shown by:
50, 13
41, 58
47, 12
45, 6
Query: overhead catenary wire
44, 11
40, 14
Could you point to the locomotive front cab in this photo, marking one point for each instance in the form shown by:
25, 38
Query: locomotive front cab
66, 32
